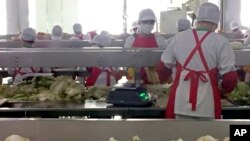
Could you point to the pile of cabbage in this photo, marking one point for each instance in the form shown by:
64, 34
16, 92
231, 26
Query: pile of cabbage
45, 88
241, 94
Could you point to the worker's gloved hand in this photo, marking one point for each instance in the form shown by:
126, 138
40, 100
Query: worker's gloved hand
229, 82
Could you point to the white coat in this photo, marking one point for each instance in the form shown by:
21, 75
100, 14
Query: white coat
81, 37
217, 54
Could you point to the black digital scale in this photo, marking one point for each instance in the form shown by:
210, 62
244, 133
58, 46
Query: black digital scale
129, 95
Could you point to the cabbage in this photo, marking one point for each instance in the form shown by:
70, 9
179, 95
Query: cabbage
16, 138
240, 95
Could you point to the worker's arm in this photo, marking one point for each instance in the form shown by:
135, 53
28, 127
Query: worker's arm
129, 42
168, 56
161, 42
226, 66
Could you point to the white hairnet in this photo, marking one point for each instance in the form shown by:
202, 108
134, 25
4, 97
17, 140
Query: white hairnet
77, 28
146, 14
105, 33
208, 12
102, 40
183, 24
234, 25
57, 31
29, 34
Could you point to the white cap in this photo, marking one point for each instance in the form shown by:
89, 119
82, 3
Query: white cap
102, 40
208, 12
183, 24
105, 33
57, 31
234, 25
146, 14
135, 24
29, 34
77, 28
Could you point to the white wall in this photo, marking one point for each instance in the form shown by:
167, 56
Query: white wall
231, 13
17, 15
3, 17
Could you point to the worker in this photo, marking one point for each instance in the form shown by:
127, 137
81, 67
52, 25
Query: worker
92, 34
144, 38
78, 35
19, 74
102, 40
198, 56
57, 33
28, 37
134, 27
235, 27
101, 76
183, 24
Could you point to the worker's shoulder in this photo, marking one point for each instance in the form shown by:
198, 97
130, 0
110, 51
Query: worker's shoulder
219, 36
131, 37
189, 33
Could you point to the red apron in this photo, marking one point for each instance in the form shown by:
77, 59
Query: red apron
80, 37
95, 72
150, 42
194, 76
18, 71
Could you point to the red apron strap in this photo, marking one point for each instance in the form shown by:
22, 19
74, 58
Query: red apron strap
203, 60
33, 70
194, 76
198, 44
108, 78
17, 71
109, 74
93, 77
80, 37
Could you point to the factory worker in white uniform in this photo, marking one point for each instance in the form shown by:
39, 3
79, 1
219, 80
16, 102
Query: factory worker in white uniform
146, 23
134, 27
101, 76
144, 38
57, 33
198, 56
78, 35
19, 74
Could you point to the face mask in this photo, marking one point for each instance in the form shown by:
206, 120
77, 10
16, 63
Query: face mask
146, 28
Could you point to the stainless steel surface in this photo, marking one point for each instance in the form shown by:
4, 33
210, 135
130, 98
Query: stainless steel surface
242, 57
10, 44
61, 44
8, 37
123, 130
114, 57
57, 44
48, 57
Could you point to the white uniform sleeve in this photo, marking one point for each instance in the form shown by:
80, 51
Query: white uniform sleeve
161, 42
87, 37
168, 56
226, 61
129, 42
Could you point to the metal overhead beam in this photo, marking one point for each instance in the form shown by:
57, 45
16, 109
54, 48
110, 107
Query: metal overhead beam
114, 57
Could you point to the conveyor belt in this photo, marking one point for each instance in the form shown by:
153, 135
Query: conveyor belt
95, 109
